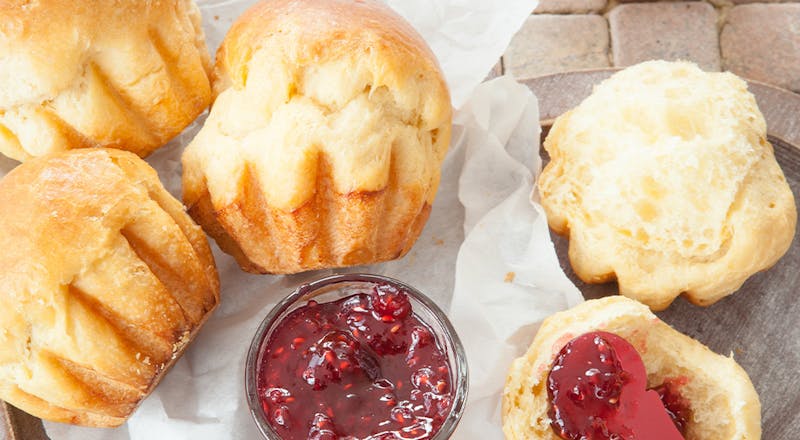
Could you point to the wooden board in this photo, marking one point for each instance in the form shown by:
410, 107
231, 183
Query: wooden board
760, 324
19, 425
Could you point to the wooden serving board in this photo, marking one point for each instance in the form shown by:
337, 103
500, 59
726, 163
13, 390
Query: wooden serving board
760, 324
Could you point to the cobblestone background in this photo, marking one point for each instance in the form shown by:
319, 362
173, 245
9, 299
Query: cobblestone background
759, 41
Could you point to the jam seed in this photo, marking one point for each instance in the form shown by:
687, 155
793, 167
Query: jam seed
441, 386
297, 342
348, 386
281, 416
344, 365
395, 329
279, 350
387, 318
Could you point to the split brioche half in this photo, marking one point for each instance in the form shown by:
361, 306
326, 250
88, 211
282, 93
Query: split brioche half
127, 74
722, 401
664, 180
324, 144
104, 280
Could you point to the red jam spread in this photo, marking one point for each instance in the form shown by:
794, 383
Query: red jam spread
677, 407
598, 391
363, 367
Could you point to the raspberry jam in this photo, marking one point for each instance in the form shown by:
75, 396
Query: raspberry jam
362, 367
598, 390
677, 407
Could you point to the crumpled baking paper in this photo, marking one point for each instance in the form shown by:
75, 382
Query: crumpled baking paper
508, 278
485, 253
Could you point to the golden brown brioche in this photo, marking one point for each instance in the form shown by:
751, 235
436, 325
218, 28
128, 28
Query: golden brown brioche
664, 180
324, 144
722, 401
104, 279
127, 74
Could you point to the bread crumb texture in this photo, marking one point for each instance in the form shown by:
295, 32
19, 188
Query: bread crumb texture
664, 179
723, 403
127, 74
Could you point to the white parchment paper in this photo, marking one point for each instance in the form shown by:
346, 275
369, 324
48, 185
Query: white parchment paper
485, 252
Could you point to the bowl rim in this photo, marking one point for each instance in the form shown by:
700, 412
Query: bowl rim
460, 376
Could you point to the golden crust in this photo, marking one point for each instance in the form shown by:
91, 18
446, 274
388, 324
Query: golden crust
324, 144
310, 31
104, 281
664, 180
125, 74
723, 402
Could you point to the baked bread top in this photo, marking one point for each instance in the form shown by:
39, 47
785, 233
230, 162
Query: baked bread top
128, 74
324, 145
297, 82
723, 404
664, 179
104, 279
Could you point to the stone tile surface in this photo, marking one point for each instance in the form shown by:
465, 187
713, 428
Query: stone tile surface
557, 43
569, 6
665, 30
741, 2
651, 1
762, 42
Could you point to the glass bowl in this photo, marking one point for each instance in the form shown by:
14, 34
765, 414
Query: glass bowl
334, 287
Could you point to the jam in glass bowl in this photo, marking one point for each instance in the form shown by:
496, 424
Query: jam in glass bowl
356, 356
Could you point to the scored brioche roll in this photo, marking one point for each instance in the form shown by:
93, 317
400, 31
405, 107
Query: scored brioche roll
127, 74
324, 144
723, 404
104, 279
664, 180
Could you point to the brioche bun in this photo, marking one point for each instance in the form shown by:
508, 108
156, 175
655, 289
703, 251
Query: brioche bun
324, 144
104, 280
664, 180
723, 403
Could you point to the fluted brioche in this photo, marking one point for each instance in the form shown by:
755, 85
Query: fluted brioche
664, 179
722, 401
104, 279
324, 144
127, 74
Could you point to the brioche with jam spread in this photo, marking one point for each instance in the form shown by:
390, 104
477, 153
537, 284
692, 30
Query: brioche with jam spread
664, 180
324, 144
104, 279
127, 74
722, 403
